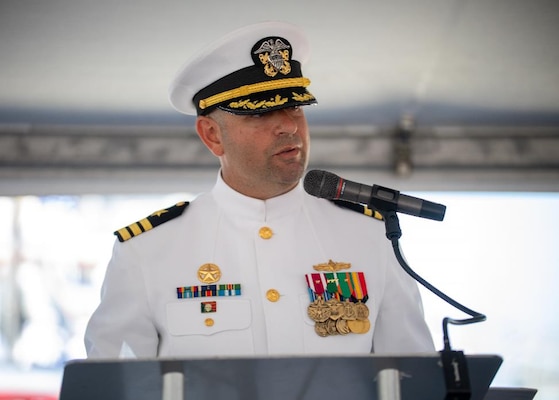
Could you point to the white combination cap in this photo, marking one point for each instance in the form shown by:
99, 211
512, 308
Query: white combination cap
252, 70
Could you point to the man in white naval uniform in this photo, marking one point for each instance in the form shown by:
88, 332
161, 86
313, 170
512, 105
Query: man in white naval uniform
256, 266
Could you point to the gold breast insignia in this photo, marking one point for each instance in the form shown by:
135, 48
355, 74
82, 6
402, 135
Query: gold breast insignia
332, 266
209, 273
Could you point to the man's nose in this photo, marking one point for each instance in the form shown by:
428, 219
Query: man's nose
287, 123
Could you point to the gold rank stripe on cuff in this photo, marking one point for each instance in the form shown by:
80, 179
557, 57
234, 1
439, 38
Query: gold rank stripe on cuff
150, 222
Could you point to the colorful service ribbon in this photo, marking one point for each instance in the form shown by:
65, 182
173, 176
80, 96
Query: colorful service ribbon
223, 290
337, 285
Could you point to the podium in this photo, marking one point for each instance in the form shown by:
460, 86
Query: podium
371, 377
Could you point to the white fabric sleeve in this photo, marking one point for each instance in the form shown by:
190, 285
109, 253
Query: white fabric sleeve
121, 326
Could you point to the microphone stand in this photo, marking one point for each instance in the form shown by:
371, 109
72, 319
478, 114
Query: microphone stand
454, 362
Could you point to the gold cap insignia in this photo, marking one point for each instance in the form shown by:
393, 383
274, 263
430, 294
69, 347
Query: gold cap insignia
275, 55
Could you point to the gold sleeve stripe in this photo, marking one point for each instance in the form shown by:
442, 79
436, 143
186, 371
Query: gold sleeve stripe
124, 234
135, 228
372, 213
254, 88
145, 224
360, 208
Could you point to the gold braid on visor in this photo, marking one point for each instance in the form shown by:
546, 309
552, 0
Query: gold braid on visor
254, 88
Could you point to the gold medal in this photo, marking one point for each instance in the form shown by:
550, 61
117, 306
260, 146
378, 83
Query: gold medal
321, 329
331, 327
355, 326
336, 308
349, 311
319, 311
341, 326
359, 326
366, 326
361, 311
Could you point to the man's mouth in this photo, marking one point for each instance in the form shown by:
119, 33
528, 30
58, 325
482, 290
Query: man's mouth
291, 150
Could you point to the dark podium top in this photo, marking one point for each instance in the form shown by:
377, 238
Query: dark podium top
270, 378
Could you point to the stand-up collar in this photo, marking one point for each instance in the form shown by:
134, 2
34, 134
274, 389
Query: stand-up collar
231, 201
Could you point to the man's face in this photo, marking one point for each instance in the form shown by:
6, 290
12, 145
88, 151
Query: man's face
264, 155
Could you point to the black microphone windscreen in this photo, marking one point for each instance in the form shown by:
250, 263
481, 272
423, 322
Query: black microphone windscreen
321, 184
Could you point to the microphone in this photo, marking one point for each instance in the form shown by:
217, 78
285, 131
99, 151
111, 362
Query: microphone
327, 185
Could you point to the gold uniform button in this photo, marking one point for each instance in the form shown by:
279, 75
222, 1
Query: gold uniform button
265, 232
272, 295
209, 322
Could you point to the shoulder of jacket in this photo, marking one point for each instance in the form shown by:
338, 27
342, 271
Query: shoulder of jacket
360, 208
155, 219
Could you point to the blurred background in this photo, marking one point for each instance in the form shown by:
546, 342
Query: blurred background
454, 101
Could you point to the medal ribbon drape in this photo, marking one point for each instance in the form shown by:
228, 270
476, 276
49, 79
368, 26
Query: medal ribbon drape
318, 283
344, 285
338, 285
332, 285
359, 287
310, 285
363, 284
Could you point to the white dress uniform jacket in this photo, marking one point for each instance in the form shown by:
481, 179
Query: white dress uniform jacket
140, 314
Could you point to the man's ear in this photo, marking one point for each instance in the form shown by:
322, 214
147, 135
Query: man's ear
210, 133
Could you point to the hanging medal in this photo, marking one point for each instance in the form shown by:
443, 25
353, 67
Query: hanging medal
344, 285
338, 301
318, 310
361, 323
333, 296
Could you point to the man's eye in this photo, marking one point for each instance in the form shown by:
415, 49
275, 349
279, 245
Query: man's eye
291, 110
296, 109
